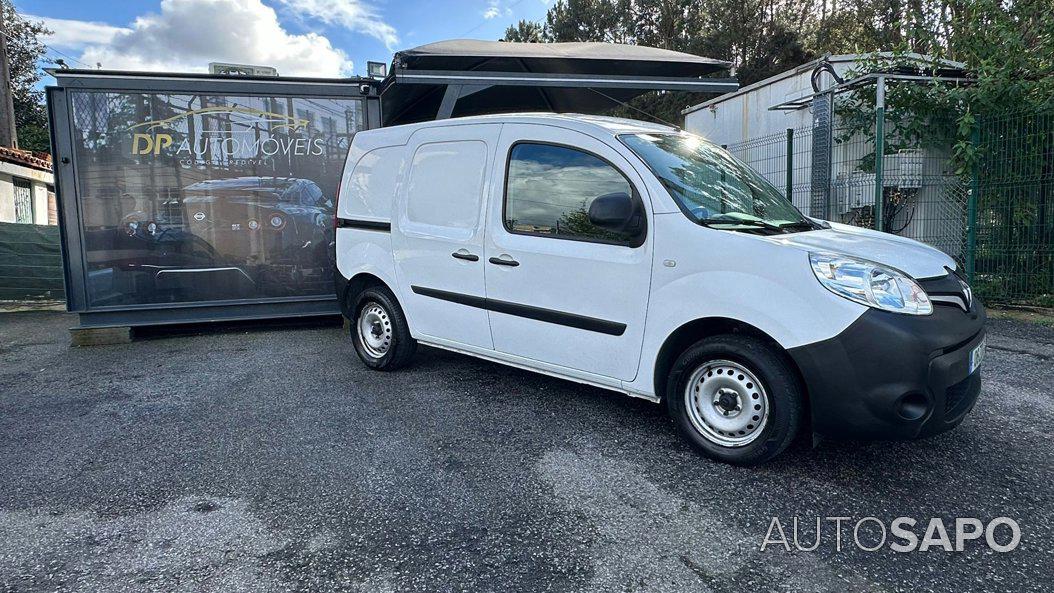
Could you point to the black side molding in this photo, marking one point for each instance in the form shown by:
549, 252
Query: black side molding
603, 326
453, 297
366, 225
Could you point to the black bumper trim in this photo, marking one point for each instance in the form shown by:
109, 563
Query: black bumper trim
857, 380
340, 287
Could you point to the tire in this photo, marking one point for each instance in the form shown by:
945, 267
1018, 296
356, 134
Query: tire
761, 383
386, 344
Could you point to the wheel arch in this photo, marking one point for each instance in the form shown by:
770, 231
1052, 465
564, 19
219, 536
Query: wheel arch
356, 284
698, 329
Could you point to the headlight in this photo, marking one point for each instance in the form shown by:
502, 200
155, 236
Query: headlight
870, 284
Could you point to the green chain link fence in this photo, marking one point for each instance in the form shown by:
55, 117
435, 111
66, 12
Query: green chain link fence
1009, 193
1014, 182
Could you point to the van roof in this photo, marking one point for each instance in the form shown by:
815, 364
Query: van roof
576, 121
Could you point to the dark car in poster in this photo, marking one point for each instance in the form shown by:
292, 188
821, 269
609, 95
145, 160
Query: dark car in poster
228, 238
278, 230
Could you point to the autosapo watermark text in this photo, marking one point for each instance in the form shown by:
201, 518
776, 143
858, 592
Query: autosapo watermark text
903, 534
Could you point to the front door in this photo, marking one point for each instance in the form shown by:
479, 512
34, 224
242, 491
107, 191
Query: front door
438, 235
560, 289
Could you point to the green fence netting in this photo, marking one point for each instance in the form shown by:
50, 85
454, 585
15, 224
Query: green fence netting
30, 262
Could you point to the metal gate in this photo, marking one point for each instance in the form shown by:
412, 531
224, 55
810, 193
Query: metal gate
23, 201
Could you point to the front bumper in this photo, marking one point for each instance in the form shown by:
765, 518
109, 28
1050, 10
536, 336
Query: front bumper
893, 376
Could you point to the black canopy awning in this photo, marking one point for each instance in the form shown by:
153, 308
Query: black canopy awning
470, 77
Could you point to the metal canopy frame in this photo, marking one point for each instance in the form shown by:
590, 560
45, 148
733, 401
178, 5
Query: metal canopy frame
826, 102
805, 101
462, 84
533, 79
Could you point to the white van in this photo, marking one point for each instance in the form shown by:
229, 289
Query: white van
643, 259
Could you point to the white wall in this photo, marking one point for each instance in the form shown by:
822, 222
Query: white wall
748, 116
745, 114
39, 181
7, 199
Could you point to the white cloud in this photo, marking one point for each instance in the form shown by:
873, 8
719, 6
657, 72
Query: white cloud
492, 11
355, 15
188, 34
71, 34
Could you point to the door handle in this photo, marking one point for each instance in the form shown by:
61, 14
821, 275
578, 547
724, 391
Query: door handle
465, 255
502, 261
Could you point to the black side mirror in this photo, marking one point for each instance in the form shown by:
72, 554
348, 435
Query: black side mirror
616, 212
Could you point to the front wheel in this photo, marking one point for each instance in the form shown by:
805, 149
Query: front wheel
735, 399
380, 332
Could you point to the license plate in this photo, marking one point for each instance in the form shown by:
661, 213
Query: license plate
977, 354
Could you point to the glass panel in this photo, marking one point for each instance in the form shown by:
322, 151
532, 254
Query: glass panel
201, 197
711, 185
550, 189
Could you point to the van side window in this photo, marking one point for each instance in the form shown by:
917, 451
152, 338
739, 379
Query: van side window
549, 191
369, 189
446, 184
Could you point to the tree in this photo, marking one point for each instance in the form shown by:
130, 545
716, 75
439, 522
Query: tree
524, 32
759, 37
24, 51
589, 20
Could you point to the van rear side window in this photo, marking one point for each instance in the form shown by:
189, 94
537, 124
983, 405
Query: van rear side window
446, 184
369, 190
549, 189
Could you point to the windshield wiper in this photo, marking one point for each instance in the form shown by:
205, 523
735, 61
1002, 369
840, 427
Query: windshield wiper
807, 225
741, 222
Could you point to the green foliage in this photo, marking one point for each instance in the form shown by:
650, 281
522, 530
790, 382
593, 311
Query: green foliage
1008, 52
24, 51
576, 223
524, 32
589, 20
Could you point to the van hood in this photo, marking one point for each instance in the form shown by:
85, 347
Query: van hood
916, 259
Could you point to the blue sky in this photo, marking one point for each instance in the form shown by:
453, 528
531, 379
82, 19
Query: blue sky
299, 37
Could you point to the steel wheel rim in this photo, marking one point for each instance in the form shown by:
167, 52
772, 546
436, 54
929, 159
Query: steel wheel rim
374, 330
726, 403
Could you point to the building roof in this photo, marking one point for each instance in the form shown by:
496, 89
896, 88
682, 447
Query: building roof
64, 75
947, 65
459, 54
34, 160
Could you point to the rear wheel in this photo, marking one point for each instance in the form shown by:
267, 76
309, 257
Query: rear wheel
380, 332
735, 399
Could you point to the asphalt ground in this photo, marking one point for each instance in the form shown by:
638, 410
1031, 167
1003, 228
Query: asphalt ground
270, 459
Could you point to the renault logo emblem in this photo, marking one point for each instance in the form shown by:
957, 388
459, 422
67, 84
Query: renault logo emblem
967, 294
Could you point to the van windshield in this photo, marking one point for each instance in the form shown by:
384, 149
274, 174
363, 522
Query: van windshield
713, 188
